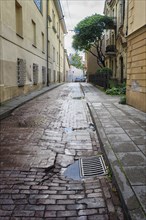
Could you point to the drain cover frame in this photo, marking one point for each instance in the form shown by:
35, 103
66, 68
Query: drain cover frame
92, 166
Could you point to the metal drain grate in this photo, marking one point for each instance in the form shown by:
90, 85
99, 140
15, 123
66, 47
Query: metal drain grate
92, 166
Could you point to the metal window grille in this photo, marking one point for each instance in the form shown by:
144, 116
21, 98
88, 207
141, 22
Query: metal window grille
44, 76
21, 72
35, 73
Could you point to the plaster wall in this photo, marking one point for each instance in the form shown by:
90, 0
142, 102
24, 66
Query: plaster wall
136, 69
136, 15
13, 46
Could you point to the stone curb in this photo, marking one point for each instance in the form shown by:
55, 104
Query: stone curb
7, 108
130, 202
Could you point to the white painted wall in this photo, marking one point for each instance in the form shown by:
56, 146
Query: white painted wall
73, 73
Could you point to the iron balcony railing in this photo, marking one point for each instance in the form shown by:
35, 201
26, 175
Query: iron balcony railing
111, 50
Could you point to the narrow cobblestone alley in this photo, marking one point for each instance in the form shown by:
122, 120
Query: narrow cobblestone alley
38, 142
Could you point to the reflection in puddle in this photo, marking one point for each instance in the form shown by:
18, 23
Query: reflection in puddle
68, 130
73, 171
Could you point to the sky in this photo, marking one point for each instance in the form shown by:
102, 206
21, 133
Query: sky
76, 10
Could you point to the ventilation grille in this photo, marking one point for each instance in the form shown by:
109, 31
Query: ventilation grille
92, 166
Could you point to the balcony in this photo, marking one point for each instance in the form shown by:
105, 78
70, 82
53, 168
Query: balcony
110, 50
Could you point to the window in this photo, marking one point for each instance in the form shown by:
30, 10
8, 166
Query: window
19, 24
49, 52
53, 17
33, 33
54, 73
38, 4
57, 57
61, 62
123, 10
57, 28
54, 54
49, 12
43, 43
54, 21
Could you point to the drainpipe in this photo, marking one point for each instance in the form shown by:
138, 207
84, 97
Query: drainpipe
47, 5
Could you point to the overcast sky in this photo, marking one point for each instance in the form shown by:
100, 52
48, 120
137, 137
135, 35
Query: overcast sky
74, 11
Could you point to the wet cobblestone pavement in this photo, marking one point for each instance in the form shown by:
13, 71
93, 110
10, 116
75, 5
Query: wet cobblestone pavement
38, 142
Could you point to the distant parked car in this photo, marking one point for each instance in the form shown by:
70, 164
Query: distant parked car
84, 79
80, 79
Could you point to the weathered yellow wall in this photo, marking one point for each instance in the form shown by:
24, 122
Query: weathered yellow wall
12, 47
136, 54
136, 69
136, 15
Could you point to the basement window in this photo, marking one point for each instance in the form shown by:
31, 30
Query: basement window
44, 75
21, 72
35, 73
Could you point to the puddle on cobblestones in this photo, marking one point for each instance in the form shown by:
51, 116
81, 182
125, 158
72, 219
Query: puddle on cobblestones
73, 171
68, 130
78, 97
86, 167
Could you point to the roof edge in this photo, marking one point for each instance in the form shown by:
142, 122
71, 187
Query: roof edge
61, 16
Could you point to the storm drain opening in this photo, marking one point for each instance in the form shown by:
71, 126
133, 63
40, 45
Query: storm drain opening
92, 166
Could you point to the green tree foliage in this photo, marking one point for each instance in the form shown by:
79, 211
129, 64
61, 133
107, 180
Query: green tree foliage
76, 60
89, 34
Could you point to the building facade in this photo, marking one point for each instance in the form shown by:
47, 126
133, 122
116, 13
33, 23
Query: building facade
115, 39
31, 46
136, 54
56, 33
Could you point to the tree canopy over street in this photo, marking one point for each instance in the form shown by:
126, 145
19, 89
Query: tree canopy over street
76, 60
89, 34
